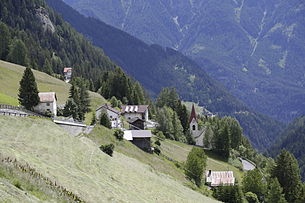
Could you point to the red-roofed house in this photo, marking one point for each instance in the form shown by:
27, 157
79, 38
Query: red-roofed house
48, 102
67, 74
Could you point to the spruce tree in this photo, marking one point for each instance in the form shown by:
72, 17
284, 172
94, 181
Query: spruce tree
275, 192
253, 182
104, 120
28, 92
287, 172
18, 53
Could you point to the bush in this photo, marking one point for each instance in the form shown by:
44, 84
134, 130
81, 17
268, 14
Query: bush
157, 150
160, 136
119, 134
108, 149
104, 120
158, 143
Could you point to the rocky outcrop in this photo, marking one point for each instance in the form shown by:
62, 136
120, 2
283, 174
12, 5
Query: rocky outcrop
45, 20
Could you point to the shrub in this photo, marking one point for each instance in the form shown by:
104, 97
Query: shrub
104, 120
119, 134
158, 143
157, 150
108, 149
160, 136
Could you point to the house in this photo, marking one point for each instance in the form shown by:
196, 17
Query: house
113, 115
219, 178
67, 74
140, 138
196, 133
136, 124
135, 111
47, 103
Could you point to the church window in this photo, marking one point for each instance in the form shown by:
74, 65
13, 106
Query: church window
194, 127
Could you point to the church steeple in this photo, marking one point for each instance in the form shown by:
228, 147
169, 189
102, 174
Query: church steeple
193, 114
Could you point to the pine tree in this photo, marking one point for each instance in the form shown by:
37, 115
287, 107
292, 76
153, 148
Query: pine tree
287, 172
4, 40
84, 102
28, 92
275, 192
70, 109
104, 120
18, 53
253, 182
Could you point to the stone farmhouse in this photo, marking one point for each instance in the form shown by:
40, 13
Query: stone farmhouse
47, 103
135, 111
113, 115
219, 178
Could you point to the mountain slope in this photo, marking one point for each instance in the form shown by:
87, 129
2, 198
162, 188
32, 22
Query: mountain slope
256, 48
293, 140
76, 163
156, 67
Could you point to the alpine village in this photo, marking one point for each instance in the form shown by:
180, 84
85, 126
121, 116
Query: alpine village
152, 101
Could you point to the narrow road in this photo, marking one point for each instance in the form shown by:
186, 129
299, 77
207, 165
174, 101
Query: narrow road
247, 166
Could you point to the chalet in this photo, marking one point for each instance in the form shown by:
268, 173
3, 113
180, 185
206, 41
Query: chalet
140, 138
47, 103
135, 111
67, 74
196, 133
219, 178
136, 124
113, 115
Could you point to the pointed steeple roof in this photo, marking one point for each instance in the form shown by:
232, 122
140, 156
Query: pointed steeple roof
193, 114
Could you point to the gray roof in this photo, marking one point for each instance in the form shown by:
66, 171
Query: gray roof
105, 106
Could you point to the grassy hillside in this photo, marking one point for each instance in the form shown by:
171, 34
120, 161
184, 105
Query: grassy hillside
11, 74
77, 164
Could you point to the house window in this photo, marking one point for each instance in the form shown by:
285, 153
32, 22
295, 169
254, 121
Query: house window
194, 127
110, 117
48, 104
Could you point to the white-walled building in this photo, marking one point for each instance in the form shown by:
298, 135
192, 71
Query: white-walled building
195, 132
135, 111
48, 102
67, 74
219, 178
113, 115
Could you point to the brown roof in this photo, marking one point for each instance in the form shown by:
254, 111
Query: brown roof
193, 114
134, 108
105, 106
67, 69
47, 96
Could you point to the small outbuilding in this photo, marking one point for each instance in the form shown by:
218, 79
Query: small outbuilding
67, 74
137, 124
219, 178
140, 138
47, 103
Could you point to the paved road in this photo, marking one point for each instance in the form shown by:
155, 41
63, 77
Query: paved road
247, 166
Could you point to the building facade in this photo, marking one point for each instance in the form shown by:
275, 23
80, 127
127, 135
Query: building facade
135, 111
47, 103
113, 115
196, 133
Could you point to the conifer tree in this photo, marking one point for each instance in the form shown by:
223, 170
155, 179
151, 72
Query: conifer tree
18, 53
253, 182
28, 92
275, 192
4, 40
104, 120
287, 172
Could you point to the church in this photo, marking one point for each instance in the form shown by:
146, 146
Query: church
196, 133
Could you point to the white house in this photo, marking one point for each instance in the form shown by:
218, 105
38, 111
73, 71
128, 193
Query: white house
67, 74
113, 115
48, 102
135, 111
219, 178
195, 132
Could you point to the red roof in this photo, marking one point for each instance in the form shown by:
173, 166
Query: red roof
67, 69
193, 114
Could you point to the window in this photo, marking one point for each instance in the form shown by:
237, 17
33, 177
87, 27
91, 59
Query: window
194, 127
48, 104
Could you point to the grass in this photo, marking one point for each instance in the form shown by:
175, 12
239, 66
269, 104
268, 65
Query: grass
11, 74
78, 164
179, 151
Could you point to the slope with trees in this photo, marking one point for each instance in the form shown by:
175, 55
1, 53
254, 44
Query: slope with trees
157, 67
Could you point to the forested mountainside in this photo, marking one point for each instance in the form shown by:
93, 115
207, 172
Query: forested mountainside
293, 140
257, 46
156, 67
34, 35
